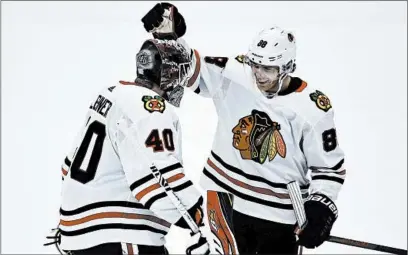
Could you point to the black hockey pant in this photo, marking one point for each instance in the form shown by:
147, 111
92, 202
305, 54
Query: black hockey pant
119, 249
234, 232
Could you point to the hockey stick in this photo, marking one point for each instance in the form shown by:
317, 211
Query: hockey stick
165, 185
365, 245
175, 200
297, 201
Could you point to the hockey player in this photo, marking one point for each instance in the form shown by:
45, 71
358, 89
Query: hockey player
273, 128
111, 200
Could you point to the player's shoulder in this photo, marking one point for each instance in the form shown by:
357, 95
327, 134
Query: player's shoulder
233, 62
311, 102
139, 102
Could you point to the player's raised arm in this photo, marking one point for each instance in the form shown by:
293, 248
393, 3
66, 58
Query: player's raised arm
165, 22
325, 160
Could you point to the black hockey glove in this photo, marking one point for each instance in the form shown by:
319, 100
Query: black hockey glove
321, 213
165, 22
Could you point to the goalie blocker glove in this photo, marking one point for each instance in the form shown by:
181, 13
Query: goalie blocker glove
197, 244
164, 21
321, 213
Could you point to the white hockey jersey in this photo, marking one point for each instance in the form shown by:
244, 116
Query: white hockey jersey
262, 144
109, 193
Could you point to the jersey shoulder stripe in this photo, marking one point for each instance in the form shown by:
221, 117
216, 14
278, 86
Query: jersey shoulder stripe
176, 189
311, 104
150, 177
148, 191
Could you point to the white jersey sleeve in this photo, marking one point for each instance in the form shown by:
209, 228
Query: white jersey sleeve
212, 73
143, 140
208, 74
324, 157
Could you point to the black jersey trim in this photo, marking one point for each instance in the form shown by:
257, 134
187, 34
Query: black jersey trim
67, 162
163, 194
294, 84
149, 177
336, 167
328, 178
253, 177
244, 196
118, 226
101, 205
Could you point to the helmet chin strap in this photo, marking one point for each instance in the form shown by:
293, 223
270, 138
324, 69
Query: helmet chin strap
280, 84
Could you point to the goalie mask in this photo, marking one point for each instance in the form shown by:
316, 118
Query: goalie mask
167, 64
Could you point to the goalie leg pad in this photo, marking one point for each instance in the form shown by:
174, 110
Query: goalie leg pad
219, 214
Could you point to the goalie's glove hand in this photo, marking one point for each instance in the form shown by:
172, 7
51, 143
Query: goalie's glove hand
164, 21
321, 213
198, 244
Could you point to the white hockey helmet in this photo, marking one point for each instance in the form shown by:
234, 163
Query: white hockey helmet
274, 47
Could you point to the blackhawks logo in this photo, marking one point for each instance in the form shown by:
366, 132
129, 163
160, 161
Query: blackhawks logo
257, 138
321, 100
154, 104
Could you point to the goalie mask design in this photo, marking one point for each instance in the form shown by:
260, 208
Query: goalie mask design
167, 64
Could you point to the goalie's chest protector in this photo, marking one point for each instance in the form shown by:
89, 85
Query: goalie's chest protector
257, 149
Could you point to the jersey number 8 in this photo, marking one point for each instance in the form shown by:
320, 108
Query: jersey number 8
329, 139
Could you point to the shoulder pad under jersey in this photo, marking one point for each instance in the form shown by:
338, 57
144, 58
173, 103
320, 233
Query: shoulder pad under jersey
139, 101
312, 104
320, 100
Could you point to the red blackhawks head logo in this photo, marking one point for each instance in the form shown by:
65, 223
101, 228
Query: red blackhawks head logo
257, 137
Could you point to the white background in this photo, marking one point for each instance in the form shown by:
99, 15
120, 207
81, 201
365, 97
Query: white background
56, 55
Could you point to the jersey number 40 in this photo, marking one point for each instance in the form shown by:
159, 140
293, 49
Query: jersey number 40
95, 129
96, 132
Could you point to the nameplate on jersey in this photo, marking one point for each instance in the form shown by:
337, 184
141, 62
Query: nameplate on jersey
102, 105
